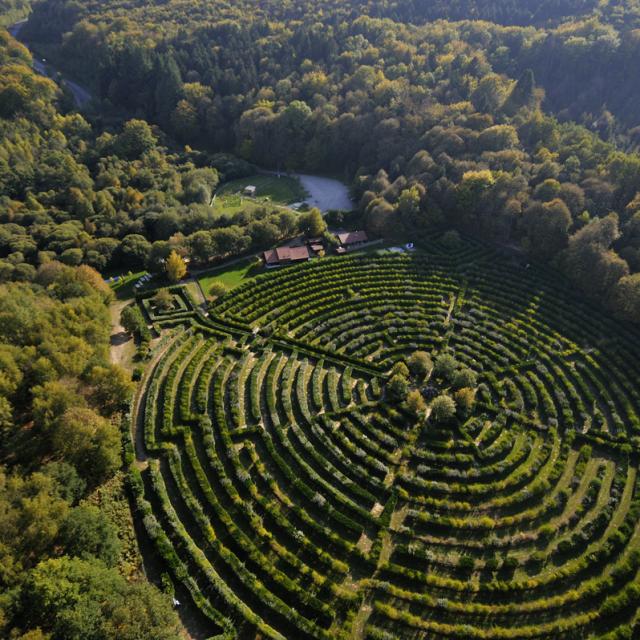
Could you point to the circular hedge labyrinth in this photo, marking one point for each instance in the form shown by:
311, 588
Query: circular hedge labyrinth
294, 499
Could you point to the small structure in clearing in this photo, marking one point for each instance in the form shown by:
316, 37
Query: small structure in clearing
250, 190
300, 251
316, 245
285, 255
351, 240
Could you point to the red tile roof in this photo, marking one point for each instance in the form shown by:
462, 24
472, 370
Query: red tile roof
352, 237
293, 253
286, 254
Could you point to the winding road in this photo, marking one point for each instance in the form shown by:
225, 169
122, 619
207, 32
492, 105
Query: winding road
324, 193
81, 96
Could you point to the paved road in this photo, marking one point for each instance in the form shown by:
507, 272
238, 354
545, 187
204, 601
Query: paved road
15, 29
80, 95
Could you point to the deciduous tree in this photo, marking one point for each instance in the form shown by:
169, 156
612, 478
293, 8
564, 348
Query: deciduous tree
443, 408
71, 596
312, 223
398, 387
175, 267
416, 403
420, 364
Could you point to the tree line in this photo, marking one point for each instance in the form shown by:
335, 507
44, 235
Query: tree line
72, 193
469, 125
64, 566
13, 10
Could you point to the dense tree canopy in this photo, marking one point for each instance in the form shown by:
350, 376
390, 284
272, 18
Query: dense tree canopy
438, 124
59, 437
465, 124
13, 10
116, 199
79, 599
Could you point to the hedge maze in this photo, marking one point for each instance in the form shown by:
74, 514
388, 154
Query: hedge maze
292, 498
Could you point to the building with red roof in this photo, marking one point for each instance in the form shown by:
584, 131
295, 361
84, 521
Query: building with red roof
282, 256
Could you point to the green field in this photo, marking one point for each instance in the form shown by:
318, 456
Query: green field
270, 190
231, 277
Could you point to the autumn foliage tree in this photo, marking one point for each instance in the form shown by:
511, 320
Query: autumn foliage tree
60, 406
175, 267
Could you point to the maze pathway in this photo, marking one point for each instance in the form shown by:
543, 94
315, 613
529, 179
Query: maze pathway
293, 501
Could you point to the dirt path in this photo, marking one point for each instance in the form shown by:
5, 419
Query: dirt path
360, 619
121, 345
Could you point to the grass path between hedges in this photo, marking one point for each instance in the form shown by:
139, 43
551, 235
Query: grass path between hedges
137, 429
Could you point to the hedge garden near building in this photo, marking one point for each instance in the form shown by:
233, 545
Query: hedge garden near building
290, 495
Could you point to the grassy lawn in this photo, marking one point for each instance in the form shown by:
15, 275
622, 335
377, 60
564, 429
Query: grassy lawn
383, 246
270, 190
232, 276
194, 290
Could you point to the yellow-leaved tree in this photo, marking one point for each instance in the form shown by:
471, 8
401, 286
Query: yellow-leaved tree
175, 267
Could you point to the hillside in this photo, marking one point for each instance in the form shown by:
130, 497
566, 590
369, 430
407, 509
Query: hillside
436, 124
319, 320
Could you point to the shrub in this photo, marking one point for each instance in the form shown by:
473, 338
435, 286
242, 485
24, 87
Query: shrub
398, 387
445, 366
420, 364
217, 289
464, 378
400, 369
443, 408
163, 300
416, 403
464, 399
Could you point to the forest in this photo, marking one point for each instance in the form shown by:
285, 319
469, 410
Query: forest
66, 565
13, 10
499, 127
499, 130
